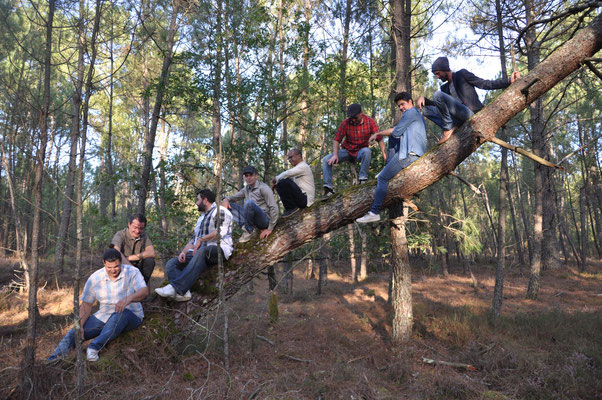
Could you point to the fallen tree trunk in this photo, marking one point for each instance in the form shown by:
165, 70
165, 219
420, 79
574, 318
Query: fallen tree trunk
343, 208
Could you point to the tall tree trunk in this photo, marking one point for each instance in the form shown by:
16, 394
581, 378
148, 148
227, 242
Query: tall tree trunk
61, 240
28, 379
149, 142
344, 59
583, 228
401, 284
401, 292
498, 289
537, 137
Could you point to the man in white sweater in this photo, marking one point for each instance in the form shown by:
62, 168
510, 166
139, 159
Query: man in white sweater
296, 185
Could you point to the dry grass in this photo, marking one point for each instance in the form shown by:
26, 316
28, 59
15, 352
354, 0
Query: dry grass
337, 345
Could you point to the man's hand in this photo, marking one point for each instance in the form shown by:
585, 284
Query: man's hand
122, 304
264, 233
134, 257
226, 203
515, 75
420, 102
373, 138
334, 159
182, 257
273, 183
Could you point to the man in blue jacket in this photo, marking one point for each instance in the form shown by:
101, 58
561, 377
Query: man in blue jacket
411, 132
457, 100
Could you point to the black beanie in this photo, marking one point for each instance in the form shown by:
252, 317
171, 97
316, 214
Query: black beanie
440, 64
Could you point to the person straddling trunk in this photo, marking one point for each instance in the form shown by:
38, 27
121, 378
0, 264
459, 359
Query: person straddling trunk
295, 185
457, 100
355, 131
201, 252
119, 288
411, 131
135, 246
259, 210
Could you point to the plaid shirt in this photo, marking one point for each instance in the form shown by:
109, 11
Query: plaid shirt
207, 223
108, 292
356, 136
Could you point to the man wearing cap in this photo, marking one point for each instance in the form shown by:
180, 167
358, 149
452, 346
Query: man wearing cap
355, 131
295, 185
135, 246
259, 210
457, 100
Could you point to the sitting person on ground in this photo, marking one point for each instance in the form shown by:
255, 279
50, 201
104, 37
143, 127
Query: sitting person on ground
411, 131
135, 246
457, 100
351, 143
119, 288
260, 209
295, 185
201, 252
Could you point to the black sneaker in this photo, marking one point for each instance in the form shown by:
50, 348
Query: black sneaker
362, 181
328, 192
288, 213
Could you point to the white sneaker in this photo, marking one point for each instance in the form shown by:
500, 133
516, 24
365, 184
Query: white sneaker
369, 217
187, 296
91, 354
245, 237
166, 291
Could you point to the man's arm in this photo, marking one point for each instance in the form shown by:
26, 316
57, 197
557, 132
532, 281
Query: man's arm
410, 116
485, 84
117, 243
335, 152
135, 297
240, 195
268, 196
85, 309
149, 252
381, 144
291, 173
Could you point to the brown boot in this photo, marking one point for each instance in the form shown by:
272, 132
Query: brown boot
446, 135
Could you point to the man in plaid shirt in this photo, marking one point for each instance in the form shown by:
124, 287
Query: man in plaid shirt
201, 251
119, 288
355, 131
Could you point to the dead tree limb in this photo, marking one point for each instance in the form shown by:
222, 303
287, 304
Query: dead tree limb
525, 153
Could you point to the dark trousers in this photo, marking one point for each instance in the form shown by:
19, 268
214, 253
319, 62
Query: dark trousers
183, 275
290, 194
146, 267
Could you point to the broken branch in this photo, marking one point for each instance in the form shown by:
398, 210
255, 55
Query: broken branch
450, 364
525, 153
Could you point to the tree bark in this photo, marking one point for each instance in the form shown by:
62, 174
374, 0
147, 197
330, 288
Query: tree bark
401, 292
345, 206
28, 377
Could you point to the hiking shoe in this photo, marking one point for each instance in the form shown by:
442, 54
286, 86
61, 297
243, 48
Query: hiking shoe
369, 217
166, 291
186, 297
288, 213
328, 192
91, 354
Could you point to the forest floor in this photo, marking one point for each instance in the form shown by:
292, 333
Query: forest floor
335, 345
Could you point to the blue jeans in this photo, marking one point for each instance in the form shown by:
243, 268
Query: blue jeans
363, 156
394, 165
103, 332
183, 275
250, 215
447, 111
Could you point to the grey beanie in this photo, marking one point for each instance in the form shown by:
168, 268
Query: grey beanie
441, 64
